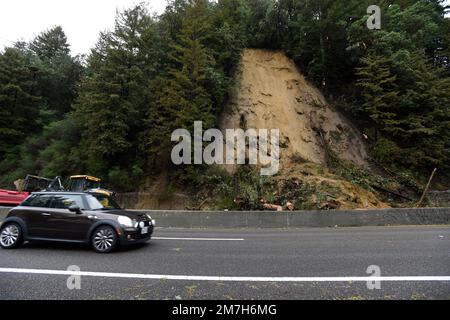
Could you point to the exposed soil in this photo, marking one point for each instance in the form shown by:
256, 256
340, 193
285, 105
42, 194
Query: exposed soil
272, 94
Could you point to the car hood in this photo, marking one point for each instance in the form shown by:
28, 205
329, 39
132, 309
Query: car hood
131, 214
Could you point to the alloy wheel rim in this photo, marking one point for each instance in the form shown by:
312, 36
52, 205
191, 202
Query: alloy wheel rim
104, 239
9, 236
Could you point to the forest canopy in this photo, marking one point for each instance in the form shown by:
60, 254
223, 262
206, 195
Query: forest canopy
110, 113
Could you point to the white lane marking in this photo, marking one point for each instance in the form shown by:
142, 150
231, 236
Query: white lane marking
197, 239
226, 279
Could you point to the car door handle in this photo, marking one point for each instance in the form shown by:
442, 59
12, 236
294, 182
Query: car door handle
46, 214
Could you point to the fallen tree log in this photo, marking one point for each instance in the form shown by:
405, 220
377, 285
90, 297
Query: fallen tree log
379, 188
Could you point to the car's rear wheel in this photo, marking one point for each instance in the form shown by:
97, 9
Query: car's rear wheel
104, 239
11, 236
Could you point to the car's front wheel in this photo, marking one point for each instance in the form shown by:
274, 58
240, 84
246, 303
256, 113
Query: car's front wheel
11, 236
104, 239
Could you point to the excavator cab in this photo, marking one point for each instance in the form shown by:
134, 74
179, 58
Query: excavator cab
84, 183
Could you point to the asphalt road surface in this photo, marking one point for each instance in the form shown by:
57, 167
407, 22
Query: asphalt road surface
414, 263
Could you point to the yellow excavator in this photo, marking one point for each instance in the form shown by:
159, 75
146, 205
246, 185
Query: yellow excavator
85, 183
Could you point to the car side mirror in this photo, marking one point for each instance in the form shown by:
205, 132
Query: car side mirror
75, 208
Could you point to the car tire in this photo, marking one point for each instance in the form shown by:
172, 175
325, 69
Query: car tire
11, 236
104, 239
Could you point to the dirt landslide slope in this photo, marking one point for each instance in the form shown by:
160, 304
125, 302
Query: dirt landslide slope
272, 94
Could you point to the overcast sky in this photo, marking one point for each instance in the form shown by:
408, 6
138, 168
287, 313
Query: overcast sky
82, 20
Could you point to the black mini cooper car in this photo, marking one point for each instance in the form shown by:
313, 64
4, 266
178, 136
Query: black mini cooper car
90, 218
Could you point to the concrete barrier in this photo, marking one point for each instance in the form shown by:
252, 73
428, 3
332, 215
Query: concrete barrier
298, 219
3, 212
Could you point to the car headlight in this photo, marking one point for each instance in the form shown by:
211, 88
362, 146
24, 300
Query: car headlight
125, 221
152, 221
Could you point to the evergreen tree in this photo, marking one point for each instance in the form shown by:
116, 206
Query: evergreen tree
18, 100
59, 72
50, 44
113, 98
185, 98
379, 91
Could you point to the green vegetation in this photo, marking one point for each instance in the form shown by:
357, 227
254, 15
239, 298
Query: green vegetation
111, 113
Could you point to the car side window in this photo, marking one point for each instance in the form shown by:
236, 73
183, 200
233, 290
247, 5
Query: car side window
27, 201
65, 201
38, 201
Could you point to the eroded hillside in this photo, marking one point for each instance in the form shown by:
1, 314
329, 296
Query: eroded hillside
270, 93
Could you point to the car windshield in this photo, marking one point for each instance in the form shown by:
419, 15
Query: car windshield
80, 185
102, 202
